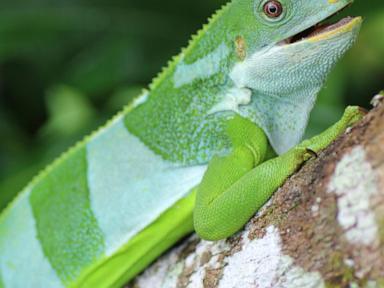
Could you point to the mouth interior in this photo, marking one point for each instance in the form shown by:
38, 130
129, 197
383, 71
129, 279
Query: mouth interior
315, 30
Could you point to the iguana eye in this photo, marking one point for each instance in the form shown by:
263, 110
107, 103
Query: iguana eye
273, 9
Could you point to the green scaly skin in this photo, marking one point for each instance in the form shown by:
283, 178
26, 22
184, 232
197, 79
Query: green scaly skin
207, 130
239, 180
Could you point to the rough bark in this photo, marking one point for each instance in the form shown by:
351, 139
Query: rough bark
323, 228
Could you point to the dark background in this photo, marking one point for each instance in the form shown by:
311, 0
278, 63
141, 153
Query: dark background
66, 66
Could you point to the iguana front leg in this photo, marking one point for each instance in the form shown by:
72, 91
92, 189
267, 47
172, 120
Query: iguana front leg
235, 187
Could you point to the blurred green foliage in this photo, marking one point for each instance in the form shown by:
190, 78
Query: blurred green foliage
66, 66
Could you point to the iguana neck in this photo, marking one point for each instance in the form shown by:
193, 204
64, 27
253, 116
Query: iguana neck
179, 104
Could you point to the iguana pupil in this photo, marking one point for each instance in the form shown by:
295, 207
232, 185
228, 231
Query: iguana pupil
273, 9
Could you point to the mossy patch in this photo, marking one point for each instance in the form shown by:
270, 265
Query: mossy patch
381, 230
343, 275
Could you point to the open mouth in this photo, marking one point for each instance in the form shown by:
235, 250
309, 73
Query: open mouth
316, 30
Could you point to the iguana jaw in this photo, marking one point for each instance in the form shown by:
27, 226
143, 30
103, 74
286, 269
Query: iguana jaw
285, 79
345, 25
320, 32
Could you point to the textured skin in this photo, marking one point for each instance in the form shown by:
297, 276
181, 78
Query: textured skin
238, 181
105, 209
67, 191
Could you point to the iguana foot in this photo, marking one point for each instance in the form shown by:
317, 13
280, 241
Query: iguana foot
352, 115
297, 156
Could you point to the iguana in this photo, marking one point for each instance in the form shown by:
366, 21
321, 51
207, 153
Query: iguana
197, 150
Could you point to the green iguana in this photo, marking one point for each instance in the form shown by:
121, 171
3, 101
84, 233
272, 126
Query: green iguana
197, 150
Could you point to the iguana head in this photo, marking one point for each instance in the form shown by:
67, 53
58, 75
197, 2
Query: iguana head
284, 54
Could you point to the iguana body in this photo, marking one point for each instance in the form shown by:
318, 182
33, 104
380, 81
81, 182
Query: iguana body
105, 209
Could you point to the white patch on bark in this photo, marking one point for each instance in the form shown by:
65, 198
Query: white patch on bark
349, 262
261, 264
196, 279
372, 284
354, 182
195, 260
164, 273
315, 209
377, 100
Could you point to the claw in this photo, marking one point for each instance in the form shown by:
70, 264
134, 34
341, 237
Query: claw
312, 153
363, 111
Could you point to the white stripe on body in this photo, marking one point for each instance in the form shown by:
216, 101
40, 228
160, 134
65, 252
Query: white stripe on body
130, 186
22, 260
202, 68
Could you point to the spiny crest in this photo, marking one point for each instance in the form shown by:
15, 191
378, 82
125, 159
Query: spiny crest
78, 145
44, 172
156, 81
193, 40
